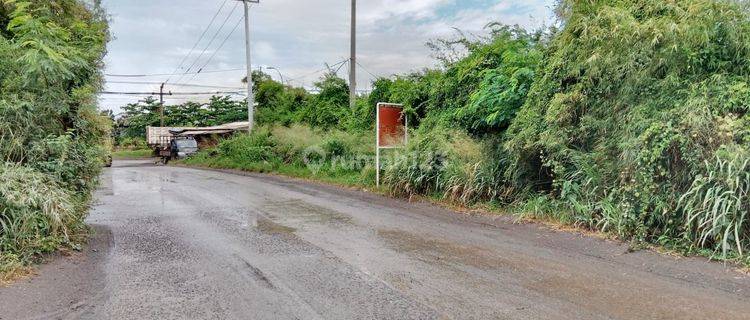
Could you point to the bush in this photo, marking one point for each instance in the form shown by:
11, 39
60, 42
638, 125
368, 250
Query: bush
336, 148
480, 177
293, 141
618, 124
330, 107
52, 137
256, 147
417, 169
132, 143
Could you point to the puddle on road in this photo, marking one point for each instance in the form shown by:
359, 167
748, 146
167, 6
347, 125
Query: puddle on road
267, 226
432, 250
300, 212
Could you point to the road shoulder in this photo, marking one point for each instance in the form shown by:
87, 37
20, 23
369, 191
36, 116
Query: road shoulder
64, 287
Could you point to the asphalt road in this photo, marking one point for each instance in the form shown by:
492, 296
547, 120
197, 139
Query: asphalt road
179, 243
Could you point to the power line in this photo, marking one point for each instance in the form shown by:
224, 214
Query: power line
317, 71
368, 71
167, 74
208, 27
213, 38
170, 93
146, 75
339, 68
135, 96
176, 84
239, 21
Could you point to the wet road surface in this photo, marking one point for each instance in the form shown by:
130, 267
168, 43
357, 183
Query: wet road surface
179, 243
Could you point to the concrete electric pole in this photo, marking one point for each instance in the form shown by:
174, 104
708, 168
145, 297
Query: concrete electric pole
353, 58
161, 105
250, 97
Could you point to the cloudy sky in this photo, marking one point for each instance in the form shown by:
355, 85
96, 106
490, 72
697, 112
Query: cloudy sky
295, 36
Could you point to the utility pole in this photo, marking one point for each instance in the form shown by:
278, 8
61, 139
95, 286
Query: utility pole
250, 97
161, 105
353, 58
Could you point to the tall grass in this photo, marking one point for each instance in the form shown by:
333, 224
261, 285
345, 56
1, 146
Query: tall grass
717, 207
299, 151
36, 214
449, 164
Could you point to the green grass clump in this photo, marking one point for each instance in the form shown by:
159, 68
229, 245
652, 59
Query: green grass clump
448, 164
297, 151
133, 154
37, 215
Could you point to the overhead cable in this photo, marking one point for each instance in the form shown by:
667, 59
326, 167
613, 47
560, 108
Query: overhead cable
208, 27
213, 38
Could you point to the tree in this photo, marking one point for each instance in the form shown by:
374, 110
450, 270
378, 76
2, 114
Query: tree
329, 108
137, 116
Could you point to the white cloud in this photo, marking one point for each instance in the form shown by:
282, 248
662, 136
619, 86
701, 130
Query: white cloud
264, 51
375, 11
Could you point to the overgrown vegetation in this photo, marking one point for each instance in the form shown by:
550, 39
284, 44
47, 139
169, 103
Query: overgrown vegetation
299, 151
52, 136
630, 118
132, 154
620, 124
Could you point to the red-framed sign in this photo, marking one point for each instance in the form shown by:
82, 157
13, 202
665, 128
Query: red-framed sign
391, 130
391, 125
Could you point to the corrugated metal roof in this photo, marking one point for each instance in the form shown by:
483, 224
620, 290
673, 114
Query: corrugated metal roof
224, 128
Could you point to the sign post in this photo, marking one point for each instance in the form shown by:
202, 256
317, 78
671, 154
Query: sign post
391, 130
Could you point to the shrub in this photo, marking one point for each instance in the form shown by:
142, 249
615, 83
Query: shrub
618, 124
132, 143
36, 214
418, 168
478, 176
334, 147
330, 107
256, 147
293, 141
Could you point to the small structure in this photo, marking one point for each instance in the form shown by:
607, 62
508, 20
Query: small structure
206, 136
